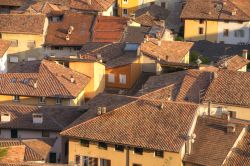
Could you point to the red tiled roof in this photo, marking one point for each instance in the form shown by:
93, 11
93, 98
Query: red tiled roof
172, 51
13, 3
212, 143
109, 29
57, 31
142, 124
209, 9
240, 154
230, 87
54, 118
4, 46
53, 80
96, 5
233, 63
22, 23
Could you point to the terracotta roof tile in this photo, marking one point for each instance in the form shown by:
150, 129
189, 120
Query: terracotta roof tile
13, 3
240, 154
212, 142
147, 16
109, 29
96, 5
233, 63
4, 46
209, 9
53, 80
142, 124
57, 31
230, 87
172, 51
54, 118
22, 23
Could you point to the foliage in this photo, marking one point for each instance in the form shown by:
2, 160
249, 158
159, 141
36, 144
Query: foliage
195, 55
3, 152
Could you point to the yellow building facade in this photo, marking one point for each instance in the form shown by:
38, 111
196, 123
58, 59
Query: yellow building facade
195, 30
127, 7
96, 71
121, 158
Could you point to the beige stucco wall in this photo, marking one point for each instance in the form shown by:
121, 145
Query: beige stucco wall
119, 158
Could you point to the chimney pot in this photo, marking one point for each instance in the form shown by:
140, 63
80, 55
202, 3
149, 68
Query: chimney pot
35, 85
67, 37
72, 79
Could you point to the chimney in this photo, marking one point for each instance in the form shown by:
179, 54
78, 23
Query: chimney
70, 30
245, 53
99, 110
5, 117
159, 42
99, 57
234, 12
72, 79
188, 145
67, 37
161, 106
231, 128
37, 118
35, 84
169, 97
104, 110
146, 39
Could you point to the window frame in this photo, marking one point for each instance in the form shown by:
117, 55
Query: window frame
45, 134
161, 153
102, 145
201, 31
225, 32
119, 148
58, 101
16, 98
15, 43
138, 151
111, 75
121, 80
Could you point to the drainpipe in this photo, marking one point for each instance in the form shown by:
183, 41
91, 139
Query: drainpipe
205, 29
127, 155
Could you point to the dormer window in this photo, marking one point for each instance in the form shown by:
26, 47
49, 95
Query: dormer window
16, 98
58, 100
5, 117
42, 100
37, 118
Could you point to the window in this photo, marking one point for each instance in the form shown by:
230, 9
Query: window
201, 21
104, 162
201, 31
163, 5
122, 78
84, 142
77, 159
45, 134
16, 98
103, 145
111, 78
42, 100
239, 33
119, 148
159, 153
152, 3
14, 43
89, 161
13, 59
13, 133
137, 165
31, 44
125, 1
138, 151
58, 100
225, 32
232, 114
125, 12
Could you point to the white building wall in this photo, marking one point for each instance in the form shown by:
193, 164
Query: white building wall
3, 64
109, 12
232, 27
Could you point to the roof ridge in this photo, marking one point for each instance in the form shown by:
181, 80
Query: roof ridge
55, 76
34, 151
117, 109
